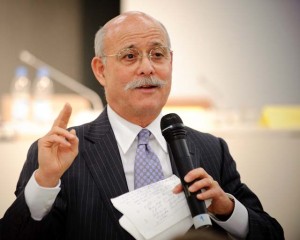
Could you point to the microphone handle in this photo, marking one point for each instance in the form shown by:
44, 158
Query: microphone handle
183, 163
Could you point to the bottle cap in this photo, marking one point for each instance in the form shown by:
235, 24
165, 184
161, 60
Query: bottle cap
21, 71
42, 72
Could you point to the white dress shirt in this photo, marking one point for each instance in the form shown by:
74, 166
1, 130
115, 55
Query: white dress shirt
126, 135
40, 199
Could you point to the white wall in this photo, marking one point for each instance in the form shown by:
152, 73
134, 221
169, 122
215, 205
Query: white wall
243, 53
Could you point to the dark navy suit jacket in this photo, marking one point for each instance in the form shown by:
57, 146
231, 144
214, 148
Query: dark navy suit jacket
83, 210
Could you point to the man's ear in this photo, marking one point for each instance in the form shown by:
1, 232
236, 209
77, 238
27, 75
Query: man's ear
98, 70
171, 53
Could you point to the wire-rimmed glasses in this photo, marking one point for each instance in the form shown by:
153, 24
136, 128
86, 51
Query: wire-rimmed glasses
156, 55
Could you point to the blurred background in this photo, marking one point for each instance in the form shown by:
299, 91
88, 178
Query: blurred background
236, 75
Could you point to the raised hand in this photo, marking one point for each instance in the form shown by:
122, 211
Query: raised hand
56, 150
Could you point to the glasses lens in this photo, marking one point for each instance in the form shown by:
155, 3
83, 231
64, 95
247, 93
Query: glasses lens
159, 54
128, 55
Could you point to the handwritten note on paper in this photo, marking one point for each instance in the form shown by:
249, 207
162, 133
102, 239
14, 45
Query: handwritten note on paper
154, 208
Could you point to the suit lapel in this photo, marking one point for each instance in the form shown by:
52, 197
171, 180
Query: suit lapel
104, 161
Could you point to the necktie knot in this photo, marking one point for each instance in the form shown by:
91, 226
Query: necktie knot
143, 137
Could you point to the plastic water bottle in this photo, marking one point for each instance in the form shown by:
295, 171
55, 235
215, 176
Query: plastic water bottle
20, 92
42, 97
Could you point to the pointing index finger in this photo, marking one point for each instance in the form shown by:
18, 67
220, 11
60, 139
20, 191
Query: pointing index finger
64, 116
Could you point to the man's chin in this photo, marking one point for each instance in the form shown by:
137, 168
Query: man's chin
149, 108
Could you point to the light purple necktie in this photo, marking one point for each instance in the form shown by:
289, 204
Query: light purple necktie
147, 167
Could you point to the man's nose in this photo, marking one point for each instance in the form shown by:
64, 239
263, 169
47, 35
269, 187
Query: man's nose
145, 65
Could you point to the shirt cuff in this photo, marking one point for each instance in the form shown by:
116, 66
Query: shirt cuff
39, 199
238, 224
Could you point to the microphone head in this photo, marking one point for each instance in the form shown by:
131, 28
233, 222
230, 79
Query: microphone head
172, 127
169, 119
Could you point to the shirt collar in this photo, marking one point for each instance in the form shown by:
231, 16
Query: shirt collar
125, 131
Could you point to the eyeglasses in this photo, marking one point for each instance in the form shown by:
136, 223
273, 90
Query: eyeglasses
128, 56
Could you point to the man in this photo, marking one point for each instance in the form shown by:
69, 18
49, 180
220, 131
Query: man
69, 177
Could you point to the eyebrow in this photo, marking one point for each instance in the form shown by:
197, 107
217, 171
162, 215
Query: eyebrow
153, 44
157, 44
131, 46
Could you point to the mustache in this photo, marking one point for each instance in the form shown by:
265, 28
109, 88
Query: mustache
152, 81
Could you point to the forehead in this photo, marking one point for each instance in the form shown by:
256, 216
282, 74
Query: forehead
134, 30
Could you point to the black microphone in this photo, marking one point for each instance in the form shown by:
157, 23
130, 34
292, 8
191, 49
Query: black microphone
174, 132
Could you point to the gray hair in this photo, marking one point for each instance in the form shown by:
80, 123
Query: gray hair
99, 42
101, 34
